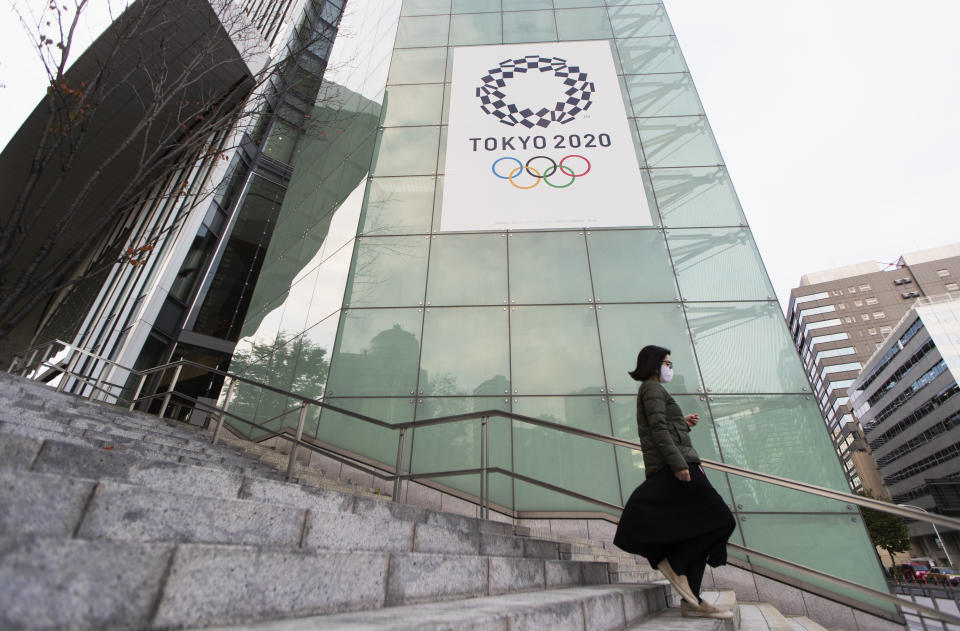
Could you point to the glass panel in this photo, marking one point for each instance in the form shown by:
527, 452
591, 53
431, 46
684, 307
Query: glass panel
630, 266
422, 31
846, 553
475, 28
413, 104
548, 267
399, 205
468, 269
554, 350
572, 4
577, 464
747, 440
625, 329
407, 151
632, 473
640, 20
313, 366
529, 26
425, 7
475, 6
518, 5
767, 362
377, 353
696, 197
297, 307
663, 95
718, 264
452, 363
361, 438
418, 65
644, 55
574, 24
331, 282
684, 141
388, 272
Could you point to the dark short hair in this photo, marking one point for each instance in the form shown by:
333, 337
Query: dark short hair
648, 362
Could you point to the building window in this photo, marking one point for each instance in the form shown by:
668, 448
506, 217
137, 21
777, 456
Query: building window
864, 316
857, 303
843, 306
837, 292
879, 315
871, 301
872, 331
851, 290
849, 319
885, 331
943, 273
864, 287
903, 281
910, 294
948, 287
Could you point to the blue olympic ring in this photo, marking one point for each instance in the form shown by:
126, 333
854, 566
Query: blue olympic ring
493, 167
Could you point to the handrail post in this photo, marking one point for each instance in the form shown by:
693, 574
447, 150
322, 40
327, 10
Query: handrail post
223, 412
136, 394
484, 479
173, 384
398, 470
68, 371
26, 366
293, 448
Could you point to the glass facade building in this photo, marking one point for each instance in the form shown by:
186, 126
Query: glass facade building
363, 301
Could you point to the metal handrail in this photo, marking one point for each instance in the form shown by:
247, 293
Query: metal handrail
797, 485
485, 470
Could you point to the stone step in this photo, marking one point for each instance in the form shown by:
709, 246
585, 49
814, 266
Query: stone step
94, 584
48, 504
762, 617
596, 608
803, 623
672, 620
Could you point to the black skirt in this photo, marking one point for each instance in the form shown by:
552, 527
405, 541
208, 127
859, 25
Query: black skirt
664, 511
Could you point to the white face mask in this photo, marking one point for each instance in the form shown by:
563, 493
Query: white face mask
666, 373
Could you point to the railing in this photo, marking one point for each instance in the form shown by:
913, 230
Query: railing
103, 388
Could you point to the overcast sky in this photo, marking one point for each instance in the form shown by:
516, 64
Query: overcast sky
838, 119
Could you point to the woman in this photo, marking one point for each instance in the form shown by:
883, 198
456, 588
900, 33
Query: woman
675, 518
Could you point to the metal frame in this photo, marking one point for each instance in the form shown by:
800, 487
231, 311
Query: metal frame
399, 475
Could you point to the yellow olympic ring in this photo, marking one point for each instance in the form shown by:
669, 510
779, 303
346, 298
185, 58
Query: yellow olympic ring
514, 172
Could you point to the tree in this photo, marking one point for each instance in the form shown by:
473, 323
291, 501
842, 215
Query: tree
169, 84
886, 530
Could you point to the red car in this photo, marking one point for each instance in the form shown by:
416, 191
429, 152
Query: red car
914, 571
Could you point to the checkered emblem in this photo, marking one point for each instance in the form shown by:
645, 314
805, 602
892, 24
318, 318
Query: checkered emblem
494, 102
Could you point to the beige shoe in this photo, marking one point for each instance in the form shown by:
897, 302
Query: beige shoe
704, 610
679, 583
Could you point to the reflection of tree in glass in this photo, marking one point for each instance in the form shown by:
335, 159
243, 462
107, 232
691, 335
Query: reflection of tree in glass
297, 365
380, 262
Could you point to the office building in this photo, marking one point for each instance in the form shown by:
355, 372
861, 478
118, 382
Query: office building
839, 317
906, 399
493, 205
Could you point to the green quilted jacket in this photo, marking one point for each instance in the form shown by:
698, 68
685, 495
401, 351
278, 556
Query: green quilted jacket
664, 435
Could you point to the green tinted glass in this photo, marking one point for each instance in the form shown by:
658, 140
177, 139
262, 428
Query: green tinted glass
413, 104
625, 329
529, 26
696, 197
646, 55
554, 350
630, 266
468, 269
452, 363
705, 257
377, 353
549, 267
682, 141
422, 31
768, 363
388, 272
475, 28
641, 20
669, 94
407, 151
574, 24
399, 205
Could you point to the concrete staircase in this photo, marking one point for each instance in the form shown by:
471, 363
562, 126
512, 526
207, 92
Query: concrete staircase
119, 520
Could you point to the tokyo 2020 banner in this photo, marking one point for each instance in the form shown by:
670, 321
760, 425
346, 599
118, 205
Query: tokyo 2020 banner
539, 138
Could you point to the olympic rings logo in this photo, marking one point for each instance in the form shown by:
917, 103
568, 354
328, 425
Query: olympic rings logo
549, 172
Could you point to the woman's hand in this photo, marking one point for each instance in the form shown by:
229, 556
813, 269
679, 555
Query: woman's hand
683, 475
691, 419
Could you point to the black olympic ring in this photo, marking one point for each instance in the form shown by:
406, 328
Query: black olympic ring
553, 166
